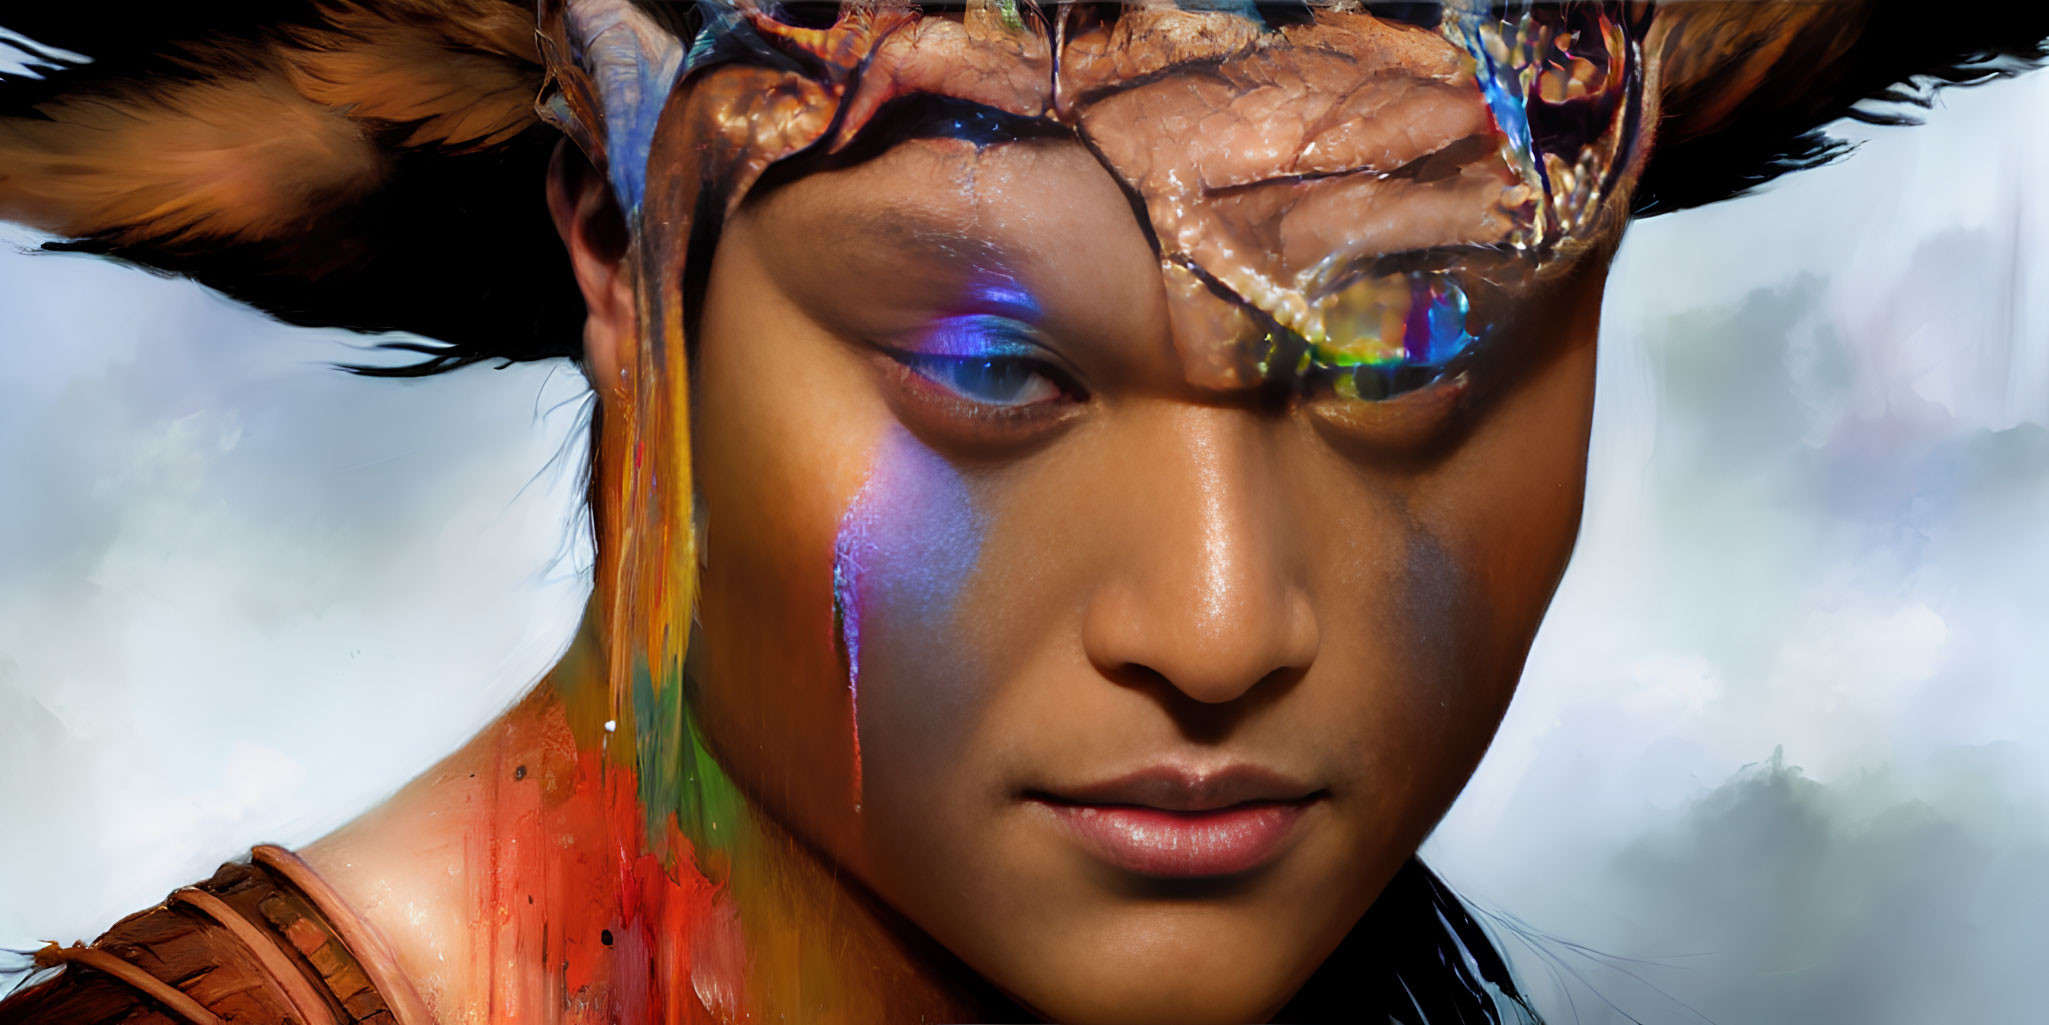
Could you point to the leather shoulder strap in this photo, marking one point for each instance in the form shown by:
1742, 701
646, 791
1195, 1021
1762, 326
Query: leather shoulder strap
262, 941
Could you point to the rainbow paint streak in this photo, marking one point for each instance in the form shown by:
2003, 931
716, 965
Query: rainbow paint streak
906, 546
850, 549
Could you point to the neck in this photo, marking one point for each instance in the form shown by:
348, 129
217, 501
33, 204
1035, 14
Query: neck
588, 869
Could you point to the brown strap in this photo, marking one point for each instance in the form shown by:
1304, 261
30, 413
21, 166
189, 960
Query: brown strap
171, 997
305, 999
269, 942
372, 952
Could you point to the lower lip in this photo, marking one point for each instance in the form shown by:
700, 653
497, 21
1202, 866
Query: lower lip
1181, 845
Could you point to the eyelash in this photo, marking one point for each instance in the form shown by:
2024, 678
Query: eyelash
964, 376
952, 373
936, 374
992, 347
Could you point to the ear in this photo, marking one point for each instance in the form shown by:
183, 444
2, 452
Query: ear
587, 216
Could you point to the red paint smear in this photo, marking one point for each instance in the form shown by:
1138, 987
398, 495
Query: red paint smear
572, 865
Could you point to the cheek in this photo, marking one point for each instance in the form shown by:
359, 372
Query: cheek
1404, 693
1432, 593
779, 457
836, 550
1509, 509
1496, 529
768, 686
905, 550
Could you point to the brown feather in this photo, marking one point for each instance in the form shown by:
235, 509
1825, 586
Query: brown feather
269, 135
464, 75
246, 158
1718, 59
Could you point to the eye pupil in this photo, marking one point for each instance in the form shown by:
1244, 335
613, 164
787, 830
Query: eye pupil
992, 380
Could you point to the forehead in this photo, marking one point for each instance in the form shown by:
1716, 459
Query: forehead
1037, 221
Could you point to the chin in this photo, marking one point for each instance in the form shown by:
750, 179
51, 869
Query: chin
1169, 962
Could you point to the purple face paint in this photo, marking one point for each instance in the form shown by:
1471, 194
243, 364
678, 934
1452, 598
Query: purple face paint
905, 548
850, 551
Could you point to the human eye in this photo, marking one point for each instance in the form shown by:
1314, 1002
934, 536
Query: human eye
1388, 335
986, 360
1400, 347
1385, 330
981, 383
992, 380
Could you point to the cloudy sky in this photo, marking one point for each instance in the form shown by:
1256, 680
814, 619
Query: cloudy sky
1782, 753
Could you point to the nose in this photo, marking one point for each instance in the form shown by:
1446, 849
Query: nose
1203, 588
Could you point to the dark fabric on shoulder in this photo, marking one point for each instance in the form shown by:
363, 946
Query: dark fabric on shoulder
1418, 958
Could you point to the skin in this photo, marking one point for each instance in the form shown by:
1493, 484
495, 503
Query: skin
1150, 572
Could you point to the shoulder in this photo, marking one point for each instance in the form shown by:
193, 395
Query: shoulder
264, 940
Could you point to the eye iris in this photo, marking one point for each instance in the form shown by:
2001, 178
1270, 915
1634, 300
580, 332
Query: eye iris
995, 381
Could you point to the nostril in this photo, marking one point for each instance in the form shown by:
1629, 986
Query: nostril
1212, 629
1204, 714
1199, 658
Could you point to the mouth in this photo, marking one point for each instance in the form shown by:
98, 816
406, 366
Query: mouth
1170, 823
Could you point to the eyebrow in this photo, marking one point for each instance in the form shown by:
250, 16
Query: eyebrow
917, 230
910, 227
979, 274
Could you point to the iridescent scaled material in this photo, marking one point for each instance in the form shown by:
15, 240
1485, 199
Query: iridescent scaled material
1562, 83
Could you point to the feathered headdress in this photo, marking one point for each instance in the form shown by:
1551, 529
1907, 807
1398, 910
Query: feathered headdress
376, 164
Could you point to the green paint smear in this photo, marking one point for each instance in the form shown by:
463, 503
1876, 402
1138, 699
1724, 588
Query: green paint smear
678, 774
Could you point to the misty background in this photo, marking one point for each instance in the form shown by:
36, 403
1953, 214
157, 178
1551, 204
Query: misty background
1781, 753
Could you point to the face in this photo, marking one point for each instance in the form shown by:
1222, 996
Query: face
1130, 685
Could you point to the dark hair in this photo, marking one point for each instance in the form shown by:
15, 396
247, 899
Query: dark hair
1418, 956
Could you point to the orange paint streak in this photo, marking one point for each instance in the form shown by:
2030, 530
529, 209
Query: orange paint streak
570, 869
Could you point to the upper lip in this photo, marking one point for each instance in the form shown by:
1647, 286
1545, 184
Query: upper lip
1185, 789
